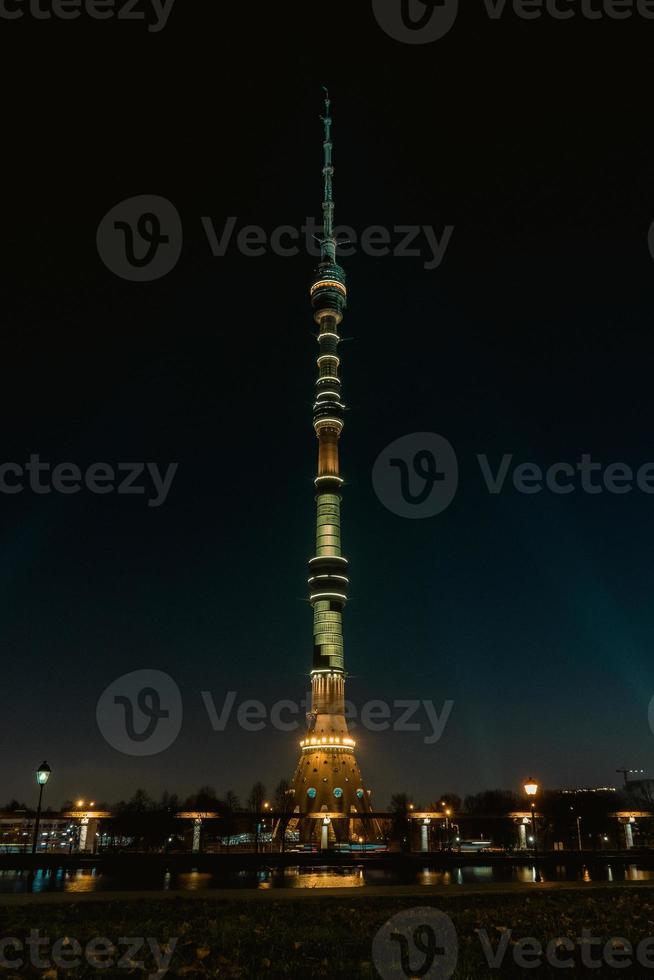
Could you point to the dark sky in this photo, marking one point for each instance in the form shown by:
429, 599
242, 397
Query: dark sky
533, 614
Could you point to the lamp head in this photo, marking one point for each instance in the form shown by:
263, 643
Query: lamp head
43, 773
531, 787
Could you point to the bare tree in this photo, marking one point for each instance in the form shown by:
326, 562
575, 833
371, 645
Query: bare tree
284, 805
255, 804
231, 801
205, 799
400, 830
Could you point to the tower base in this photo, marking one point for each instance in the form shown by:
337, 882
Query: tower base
328, 788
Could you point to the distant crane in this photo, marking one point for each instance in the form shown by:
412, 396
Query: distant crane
629, 772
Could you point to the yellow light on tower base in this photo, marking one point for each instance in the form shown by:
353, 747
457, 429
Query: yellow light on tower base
531, 787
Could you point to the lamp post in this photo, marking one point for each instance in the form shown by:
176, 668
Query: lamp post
42, 776
447, 813
531, 789
578, 822
266, 808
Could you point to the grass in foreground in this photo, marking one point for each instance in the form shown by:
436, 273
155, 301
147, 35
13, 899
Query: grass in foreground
329, 937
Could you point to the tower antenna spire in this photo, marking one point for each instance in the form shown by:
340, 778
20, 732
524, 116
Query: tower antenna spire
328, 244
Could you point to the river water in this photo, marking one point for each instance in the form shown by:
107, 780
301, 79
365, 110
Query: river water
92, 880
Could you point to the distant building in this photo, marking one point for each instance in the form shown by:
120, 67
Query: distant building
589, 789
642, 789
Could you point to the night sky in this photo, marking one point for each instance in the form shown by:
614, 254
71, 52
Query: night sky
532, 613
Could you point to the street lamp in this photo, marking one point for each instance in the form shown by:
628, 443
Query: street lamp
578, 820
42, 776
448, 813
531, 789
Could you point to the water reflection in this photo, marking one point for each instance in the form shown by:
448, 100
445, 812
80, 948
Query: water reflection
634, 873
194, 881
317, 878
91, 880
526, 873
81, 881
427, 877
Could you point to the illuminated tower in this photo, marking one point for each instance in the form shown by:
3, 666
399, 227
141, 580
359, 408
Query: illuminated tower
328, 788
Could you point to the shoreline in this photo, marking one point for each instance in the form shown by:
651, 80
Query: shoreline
391, 892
